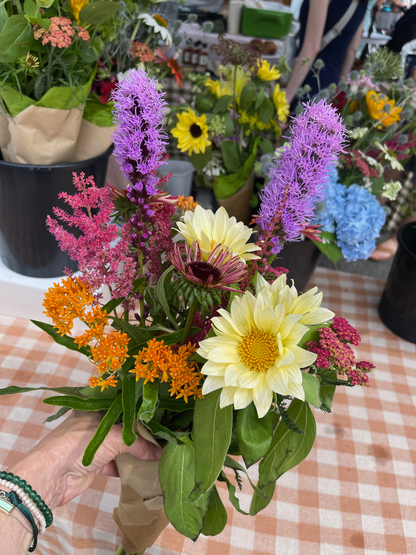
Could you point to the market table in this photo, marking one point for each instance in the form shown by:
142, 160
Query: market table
354, 495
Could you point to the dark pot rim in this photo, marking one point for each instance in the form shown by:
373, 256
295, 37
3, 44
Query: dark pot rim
401, 240
71, 165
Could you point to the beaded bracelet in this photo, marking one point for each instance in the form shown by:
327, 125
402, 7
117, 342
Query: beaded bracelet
10, 500
34, 500
28, 502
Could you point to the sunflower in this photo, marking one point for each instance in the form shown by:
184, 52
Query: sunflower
191, 132
211, 229
382, 109
280, 103
255, 351
267, 73
159, 26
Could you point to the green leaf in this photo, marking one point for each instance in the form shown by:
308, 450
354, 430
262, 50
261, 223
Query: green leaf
15, 39
44, 3
97, 13
331, 249
13, 389
230, 156
311, 335
212, 436
259, 502
161, 295
235, 465
328, 391
266, 110
199, 161
232, 493
216, 516
204, 103
114, 303
260, 97
103, 430
63, 340
222, 104
247, 96
288, 449
158, 430
77, 403
149, 403
229, 125
61, 412
311, 388
136, 333
175, 405
3, 17
254, 434
129, 410
266, 146
177, 479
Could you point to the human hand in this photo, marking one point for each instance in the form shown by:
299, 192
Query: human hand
54, 466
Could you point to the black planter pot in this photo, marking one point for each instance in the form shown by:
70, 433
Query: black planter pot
397, 307
27, 195
300, 259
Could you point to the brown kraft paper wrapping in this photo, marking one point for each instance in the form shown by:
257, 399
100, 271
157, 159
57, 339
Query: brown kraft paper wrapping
92, 141
4, 136
115, 176
140, 515
43, 136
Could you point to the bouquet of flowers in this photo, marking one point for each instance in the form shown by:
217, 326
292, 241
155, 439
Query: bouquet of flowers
203, 346
381, 123
49, 55
229, 121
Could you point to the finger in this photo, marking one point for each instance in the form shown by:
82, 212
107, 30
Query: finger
144, 450
110, 469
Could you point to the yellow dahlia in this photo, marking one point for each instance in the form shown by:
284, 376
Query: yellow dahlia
377, 104
217, 88
280, 103
255, 351
210, 230
267, 73
191, 132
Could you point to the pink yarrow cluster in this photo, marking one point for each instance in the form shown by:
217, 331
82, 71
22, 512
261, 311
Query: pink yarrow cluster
334, 352
102, 249
60, 32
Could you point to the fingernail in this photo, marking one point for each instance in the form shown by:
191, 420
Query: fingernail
157, 451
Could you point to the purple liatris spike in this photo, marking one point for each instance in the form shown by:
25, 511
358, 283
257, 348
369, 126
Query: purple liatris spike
139, 141
299, 180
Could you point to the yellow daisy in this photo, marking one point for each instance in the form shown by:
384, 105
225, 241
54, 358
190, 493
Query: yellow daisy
255, 351
211, 229
267, 73
191, 132
280, 103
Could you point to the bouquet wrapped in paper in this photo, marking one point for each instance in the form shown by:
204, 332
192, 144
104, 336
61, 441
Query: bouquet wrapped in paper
203, 346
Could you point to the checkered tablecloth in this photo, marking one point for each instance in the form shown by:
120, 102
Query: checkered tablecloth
354, 495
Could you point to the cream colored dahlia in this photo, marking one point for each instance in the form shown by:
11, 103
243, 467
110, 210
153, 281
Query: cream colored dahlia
211, 229
255, 351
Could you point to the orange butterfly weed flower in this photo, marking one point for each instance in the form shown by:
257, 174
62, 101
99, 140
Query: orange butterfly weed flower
110, 351
66, 301
187, 203
159, 361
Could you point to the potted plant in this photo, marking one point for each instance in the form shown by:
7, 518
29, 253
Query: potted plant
229, 122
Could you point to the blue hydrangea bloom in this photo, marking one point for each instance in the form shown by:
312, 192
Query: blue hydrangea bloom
354, 215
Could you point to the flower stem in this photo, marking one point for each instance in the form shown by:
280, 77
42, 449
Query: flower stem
120, 551
189, 321
141, 288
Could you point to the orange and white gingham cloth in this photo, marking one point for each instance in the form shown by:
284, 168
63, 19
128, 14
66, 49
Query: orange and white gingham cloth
354, 495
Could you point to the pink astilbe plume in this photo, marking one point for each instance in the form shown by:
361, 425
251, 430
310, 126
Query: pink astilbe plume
102, 248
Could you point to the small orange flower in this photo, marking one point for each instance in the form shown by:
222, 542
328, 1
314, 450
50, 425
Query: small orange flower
110, 352
187, 203
93, 381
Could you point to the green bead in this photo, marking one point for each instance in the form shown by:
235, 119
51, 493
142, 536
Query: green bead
23, 483
15, 479
27, 488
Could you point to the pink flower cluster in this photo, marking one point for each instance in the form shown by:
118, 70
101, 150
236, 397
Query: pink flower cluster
60, 32
102, 249
334, 352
